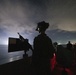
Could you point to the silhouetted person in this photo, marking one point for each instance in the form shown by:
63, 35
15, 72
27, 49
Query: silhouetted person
43, 51
60, 58
69, 46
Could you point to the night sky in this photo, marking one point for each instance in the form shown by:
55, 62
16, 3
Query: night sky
23, 15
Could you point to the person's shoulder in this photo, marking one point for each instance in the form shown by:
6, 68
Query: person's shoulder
37, 37
48, 37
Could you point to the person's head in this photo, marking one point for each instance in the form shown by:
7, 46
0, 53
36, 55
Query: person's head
69, 42
42, 26
55, 43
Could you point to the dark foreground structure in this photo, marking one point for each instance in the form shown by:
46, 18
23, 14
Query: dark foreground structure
23, 67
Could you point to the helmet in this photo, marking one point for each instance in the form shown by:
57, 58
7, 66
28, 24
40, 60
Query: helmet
42, 26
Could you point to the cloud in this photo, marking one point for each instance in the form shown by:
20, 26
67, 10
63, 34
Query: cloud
62, 36
23, 15
14, 18
62, 14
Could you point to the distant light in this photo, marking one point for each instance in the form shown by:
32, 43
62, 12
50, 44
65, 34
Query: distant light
59, 43
73, 43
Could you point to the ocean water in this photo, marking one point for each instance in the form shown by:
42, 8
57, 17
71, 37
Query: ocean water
6, 56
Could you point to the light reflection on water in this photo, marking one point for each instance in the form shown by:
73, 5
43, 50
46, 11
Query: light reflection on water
8, 60
14, 58
6, 56
11, 59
